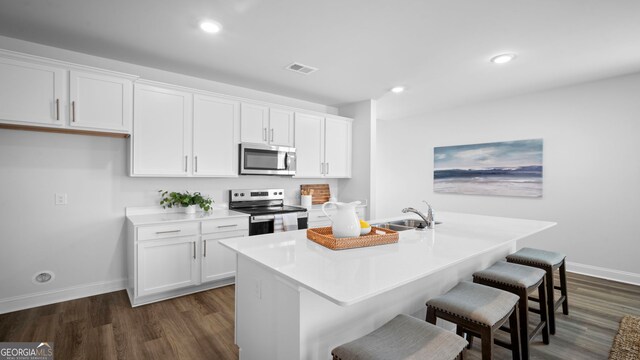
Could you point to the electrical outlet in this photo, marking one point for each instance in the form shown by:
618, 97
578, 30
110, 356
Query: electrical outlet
61, 199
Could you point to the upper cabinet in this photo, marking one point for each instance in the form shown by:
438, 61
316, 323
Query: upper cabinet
323, 146
181, 133
161, 132
100, 101
215, 136
280, 127
48, 93
32, 93
254, 123
264, 125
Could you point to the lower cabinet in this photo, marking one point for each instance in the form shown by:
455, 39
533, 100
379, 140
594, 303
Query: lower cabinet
167, 264
172, 259
218, 262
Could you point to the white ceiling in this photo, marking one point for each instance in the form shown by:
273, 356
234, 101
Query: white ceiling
438, 49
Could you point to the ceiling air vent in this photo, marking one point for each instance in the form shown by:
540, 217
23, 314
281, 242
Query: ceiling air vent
301, 69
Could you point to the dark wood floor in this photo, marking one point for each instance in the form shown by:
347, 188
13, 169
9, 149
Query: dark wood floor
200, 326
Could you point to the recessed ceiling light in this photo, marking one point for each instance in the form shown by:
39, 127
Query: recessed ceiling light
210, 27
503, 58
397, 89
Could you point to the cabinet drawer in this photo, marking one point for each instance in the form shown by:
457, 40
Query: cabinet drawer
320, 216
221, 225
166, 231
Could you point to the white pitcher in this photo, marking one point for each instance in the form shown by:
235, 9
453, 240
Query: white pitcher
345, 222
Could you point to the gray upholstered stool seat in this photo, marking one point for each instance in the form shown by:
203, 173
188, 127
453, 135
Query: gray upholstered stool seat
548, 261
512, 274
479, 310
478, 303
403, 337
536, 256
520, 280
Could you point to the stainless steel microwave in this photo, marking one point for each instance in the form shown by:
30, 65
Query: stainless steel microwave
260, 159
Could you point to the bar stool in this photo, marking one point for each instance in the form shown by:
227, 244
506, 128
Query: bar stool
403, 337
548, 261
520, 280
479, 310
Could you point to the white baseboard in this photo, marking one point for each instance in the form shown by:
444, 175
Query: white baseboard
54, 296
604, 273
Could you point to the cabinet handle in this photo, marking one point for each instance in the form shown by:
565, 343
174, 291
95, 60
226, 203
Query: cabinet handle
196, 164
271, 134
205, 248
73, 111
327, 173
226, 226
186, 161
57, 109
194, 250
264, 134
168, 231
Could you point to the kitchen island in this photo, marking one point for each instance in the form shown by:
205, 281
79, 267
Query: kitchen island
296, 299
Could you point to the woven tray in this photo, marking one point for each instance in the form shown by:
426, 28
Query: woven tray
324, 236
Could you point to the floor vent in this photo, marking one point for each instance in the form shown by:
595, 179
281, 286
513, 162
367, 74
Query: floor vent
301, 68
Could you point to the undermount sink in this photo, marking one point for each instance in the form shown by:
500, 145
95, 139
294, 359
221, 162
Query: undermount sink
404, 224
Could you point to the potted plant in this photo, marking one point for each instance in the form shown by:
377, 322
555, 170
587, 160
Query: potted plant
186, 200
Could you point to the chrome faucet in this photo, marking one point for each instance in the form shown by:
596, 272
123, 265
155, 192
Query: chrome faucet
428, 219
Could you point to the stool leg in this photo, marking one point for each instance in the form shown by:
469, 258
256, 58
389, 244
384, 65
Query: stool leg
550, 301
486, 335
544, 312
563, 287
431, 315
515, 328
524, 322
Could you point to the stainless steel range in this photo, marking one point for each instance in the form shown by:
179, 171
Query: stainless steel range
263, 206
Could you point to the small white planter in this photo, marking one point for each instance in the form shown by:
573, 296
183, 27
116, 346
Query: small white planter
191, 209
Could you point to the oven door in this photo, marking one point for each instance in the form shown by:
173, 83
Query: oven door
264, 224
258, 159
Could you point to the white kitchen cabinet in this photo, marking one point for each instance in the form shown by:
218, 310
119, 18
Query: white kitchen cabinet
167, 264
218, 262
215, 136
323, 146
264, 125
317, 218
32, 93
337, 148
254, 122
99, 101
280, 127
161, 131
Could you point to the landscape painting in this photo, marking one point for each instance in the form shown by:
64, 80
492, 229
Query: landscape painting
509, 168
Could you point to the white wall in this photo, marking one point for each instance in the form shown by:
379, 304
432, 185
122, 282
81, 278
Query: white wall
362, 185
591, 184
83, 242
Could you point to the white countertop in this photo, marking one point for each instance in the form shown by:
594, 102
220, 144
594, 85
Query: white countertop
349, 276
148, 219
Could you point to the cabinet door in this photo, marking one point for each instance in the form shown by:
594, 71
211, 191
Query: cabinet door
337, 148
218, 262
215, 136
167, 264
100, 101
309, 142
254, 120
161, 131
32, 93
280, 127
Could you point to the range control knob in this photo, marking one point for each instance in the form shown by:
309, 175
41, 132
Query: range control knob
236, 194
275, 193
241, 194
279, 193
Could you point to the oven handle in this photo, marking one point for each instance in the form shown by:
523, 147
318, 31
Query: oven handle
262, 218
